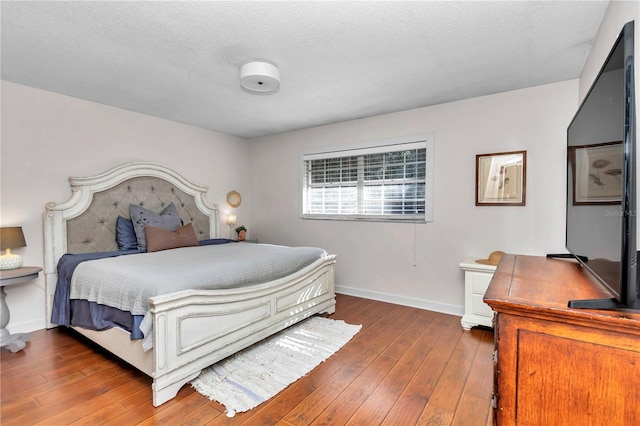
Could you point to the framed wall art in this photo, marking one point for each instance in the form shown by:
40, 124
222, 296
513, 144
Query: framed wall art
501, 179
597, 173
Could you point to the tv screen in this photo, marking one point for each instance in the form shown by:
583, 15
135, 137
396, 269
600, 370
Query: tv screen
601, 180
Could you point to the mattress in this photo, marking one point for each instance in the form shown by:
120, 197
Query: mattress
114, 290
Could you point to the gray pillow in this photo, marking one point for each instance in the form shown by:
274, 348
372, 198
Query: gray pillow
167, 219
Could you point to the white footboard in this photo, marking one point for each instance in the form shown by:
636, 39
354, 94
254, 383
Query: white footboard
194, 329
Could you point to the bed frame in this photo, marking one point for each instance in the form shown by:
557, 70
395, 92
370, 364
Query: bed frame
192, 329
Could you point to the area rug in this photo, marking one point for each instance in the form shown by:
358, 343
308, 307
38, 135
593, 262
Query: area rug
252, 376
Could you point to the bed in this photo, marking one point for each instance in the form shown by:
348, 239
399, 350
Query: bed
190, 328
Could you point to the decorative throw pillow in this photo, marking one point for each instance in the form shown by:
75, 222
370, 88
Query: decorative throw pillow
161, 239
167, 219
125, 234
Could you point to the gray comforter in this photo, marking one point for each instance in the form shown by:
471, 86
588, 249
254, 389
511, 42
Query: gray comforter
126, 282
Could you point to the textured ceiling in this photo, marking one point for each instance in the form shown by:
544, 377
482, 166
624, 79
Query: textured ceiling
338, 60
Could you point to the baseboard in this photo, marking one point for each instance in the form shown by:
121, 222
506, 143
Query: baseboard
25, 326
402, 300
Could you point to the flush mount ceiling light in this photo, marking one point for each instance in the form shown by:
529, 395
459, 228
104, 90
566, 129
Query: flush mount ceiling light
259, 78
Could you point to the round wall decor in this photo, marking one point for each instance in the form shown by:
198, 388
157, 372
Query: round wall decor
234, 199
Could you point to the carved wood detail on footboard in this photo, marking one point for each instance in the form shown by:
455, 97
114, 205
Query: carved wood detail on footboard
198, 328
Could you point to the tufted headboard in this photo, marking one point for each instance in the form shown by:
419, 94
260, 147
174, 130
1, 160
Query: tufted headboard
87, 222
95, 229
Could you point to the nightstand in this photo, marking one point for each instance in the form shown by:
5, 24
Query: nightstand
477, 277
14, 342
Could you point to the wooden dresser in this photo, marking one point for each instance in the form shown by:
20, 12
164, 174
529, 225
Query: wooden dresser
559, 366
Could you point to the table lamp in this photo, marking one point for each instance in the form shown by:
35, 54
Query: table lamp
11, 237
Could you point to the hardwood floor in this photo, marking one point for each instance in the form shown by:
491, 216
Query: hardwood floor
406, 366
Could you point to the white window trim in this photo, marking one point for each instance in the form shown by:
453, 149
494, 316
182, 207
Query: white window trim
426, 140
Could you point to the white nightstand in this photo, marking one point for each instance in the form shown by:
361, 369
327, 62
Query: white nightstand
14, 342
476, 280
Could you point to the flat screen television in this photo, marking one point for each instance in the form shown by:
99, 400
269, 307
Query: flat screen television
601, 181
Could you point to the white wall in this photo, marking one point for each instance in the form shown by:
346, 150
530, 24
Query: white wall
418, 264
47, 137
618, 13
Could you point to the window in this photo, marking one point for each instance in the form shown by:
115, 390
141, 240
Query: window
391, 181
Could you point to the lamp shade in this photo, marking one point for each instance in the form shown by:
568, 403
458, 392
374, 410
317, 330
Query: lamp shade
12, 237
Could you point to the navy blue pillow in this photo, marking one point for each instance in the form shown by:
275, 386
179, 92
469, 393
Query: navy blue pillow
125, 234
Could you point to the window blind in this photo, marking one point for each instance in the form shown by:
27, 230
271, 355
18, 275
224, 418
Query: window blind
386, 182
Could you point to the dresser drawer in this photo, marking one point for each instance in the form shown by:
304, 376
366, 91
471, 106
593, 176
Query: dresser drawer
479, 307
479, 282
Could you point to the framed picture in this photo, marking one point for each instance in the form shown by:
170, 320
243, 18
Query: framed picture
501, 179
596, 171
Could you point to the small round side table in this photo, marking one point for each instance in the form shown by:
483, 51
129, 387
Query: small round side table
13, 342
